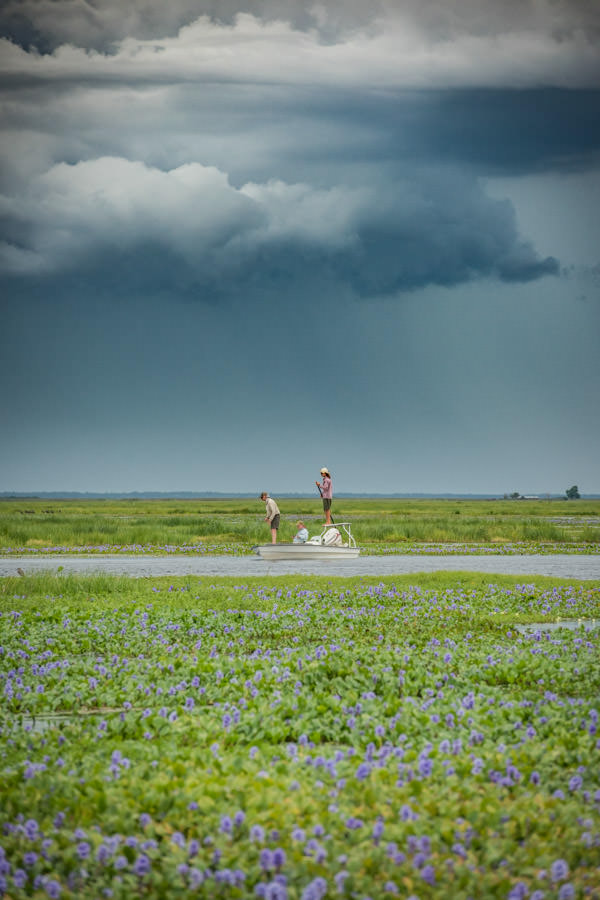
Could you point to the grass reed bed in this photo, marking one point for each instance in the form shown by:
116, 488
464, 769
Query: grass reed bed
76, 524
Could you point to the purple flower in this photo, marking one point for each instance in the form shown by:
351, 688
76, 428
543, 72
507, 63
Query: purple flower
103, 853
83, 850
142, 865
559, 870
239, 818
566, 892
266, 859
425, 767
315, 890
53, 889
363, 771
31, 829
257, 833
226, 826
377, 830
275, 891
196, 878
278, 857
20, 878
407, 814
424, 844
575, 783
519, 891
339, 880
145, 820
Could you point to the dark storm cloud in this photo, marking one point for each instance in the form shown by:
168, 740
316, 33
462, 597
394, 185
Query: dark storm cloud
210, 238
46, 24
500, 131
254, 152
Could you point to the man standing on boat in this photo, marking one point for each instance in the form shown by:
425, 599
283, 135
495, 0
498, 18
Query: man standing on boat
326, 492
272, 515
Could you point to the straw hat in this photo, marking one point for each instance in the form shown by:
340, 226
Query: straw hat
324, 471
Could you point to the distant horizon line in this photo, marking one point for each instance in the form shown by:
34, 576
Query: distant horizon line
244, 495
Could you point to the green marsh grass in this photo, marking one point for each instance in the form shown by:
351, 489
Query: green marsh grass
76, 523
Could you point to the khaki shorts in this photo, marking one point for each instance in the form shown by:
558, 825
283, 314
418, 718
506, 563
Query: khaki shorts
275, 522
326, 503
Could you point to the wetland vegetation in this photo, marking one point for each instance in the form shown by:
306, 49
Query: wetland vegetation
294, 738
216, 525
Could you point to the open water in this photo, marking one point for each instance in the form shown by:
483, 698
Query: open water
559, 565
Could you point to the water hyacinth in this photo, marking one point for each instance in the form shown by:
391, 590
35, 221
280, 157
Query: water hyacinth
300, 739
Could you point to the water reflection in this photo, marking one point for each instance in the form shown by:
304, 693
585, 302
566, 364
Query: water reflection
570, 624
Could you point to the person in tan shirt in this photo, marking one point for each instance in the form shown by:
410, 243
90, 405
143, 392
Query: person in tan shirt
272, 515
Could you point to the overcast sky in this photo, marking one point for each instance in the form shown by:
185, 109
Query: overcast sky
240, 241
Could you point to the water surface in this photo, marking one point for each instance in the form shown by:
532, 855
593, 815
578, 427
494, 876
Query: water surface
559, 565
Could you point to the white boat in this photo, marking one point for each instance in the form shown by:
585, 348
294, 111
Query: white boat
334, 542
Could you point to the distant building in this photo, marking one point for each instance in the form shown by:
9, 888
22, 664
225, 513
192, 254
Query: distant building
529, 497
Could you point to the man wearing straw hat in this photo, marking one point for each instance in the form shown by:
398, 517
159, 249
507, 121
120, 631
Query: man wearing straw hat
326, 492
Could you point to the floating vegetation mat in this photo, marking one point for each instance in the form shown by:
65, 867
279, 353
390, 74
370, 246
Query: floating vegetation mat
299, 740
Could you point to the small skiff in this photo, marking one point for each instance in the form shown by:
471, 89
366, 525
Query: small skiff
334, 542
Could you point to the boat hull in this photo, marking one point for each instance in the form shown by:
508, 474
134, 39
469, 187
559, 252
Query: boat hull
305, 551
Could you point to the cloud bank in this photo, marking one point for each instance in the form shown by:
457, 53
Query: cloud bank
399, 49
225, 147
52, 22
213, 237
